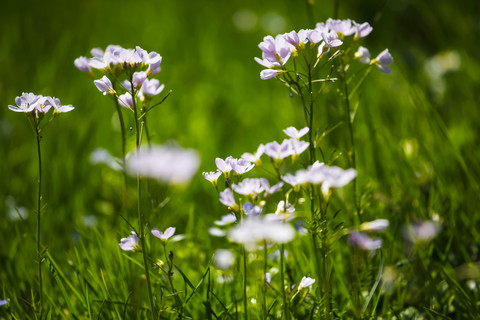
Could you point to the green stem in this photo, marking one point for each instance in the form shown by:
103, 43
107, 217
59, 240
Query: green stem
139, 206
122, 129
265, 267
39, 208
282, 276
245, 305
169, 277
326, 257
352, 143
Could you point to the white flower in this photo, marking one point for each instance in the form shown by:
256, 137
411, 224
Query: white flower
223, 259
130, 243
375, 225
168, 164
165, 235
292, 132
306, 282
362, 54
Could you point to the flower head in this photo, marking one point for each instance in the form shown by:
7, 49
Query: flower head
223, 259
169, 164
383, 61
306, 282
212, 176
130, 243
4, 302
256, 157
362, 54
126, 100
104, 85
294, 133
165, 235
82, 64
360, 239
27, 102
227, 198
375, 225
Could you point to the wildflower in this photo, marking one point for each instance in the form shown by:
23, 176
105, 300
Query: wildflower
270, 190
126, 100
251, 210
292, 132
169, 164
375, 225
223, 259
300, 177
164, 236
383, 61
362, 54
278, 151
57, 106
27, 102
4, 302
227, 198
361, 30
224, 165
226, 219
130, 243
361, 240
297, 147
330, 177
422, 231
268, 277
341, 27
255, 158
254, 230
250, 186
217, 232
306, 282
240, 166
269, 74
212, 176
104, 85
151, 87
297, 39
330, 40
82, 64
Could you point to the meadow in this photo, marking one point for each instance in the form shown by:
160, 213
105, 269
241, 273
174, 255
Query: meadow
400, 150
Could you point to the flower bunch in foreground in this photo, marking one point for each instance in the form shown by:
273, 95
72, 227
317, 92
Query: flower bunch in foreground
38, 105
327, 38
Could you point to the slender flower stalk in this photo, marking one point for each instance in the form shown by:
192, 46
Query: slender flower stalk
39, 208
122, 129
139, 205
245, 302
286, 305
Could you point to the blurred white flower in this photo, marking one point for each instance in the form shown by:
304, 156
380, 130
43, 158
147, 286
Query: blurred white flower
223, 259
306, 282
375, 225
167, 164
422, 231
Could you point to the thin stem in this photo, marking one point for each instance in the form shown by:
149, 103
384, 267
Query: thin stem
325, 255
122, 129
265, 266
169, 277
245, 306
282, 276
39, 208
352, 142
139, 206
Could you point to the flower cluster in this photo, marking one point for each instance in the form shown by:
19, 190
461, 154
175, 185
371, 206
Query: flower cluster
138, 66
131, 243
324, 38
246, 198
39, 105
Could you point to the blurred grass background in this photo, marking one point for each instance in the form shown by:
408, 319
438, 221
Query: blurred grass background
416, 130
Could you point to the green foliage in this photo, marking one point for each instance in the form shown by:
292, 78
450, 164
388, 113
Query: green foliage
416, 138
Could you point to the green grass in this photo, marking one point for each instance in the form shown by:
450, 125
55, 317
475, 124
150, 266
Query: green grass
220, 107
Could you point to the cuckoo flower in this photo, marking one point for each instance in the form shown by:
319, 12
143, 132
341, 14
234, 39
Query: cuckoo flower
227, 199
212, 176
255, 158
362, 54
27, 102
341, 27
383, 61
130, 243
250, 186
151, 88
104, 85
57, 106
165, 235
82, 64
168, 164
361, 240
306, 282
292, 132
361, 30
126, 100
375, 225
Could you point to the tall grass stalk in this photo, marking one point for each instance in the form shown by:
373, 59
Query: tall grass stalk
39, 209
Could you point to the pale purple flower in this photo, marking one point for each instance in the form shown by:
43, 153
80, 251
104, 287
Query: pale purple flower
165, 235
281, 207
227, 199
331, 177
269, 74
212, 176
422, 231
270, 190
153, 61
322, 27
82, 64
152, 87
252, 231
57, 105
296, 39
4, 302
301, 177
383, 61
278, 151
292, 132
226, 219
241, 166
97, 52
139, 78
104, 85
362, 54
375, 225
251, 210
224, 165
361, 30
169, 164
360, 239
255, 158
130, 243
298, 147
341, 27
249, 186
126, 100
306, 282
330, 40
27, 102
